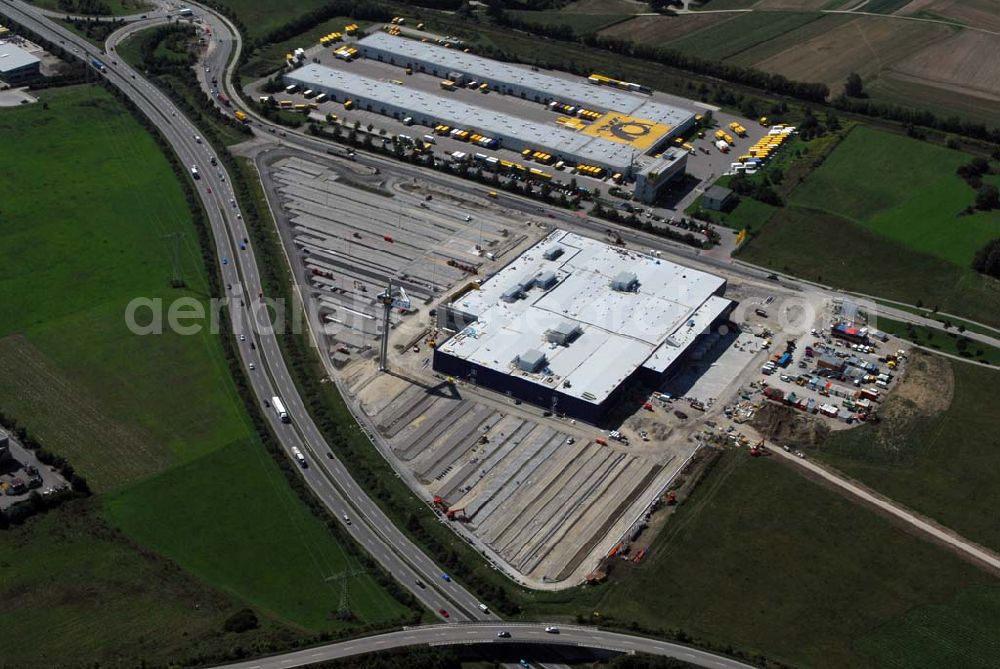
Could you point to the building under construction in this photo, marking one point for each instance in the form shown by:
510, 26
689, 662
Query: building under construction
572, 323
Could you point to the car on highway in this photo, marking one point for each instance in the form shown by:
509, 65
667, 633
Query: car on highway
445, 577
552, 630
225, 260
243, 337
252, 366
420, 584
503, 634
444, 614
347, 520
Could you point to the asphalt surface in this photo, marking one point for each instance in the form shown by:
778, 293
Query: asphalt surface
520, 633
326, 475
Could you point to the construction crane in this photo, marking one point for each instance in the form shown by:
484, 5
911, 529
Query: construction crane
343, 610
391, 297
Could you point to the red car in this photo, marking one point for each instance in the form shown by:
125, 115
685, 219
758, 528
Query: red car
444, 614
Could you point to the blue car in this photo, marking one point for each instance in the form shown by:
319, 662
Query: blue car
225, 260
445, 577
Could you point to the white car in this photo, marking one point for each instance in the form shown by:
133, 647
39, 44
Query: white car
243, 337
552, 630
252, 366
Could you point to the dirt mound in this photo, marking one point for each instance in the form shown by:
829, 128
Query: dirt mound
925, 390
785, 425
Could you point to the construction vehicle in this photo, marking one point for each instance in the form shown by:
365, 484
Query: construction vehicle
757, 449
457, 514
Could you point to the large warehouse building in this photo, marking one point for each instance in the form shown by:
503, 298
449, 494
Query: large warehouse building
603, 127
526, 83
573, 323
430, 109
17, 65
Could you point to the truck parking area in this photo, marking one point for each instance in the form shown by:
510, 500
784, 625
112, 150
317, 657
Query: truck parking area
705, 162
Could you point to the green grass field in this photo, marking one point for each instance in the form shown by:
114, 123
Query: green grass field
154, 422
582, 24
766, 560
901, 188
836, 252
263, 16
113, 7
74, 591
231, 519
951, 342
272, 57
879, 216
83, 233
742, 32
944, 464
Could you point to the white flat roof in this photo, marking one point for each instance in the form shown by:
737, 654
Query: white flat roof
579, 92
620, 331
13, 57
446, 109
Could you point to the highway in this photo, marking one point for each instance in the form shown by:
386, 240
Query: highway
327, 476
520, 633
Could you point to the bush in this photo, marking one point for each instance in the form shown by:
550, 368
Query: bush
243, 620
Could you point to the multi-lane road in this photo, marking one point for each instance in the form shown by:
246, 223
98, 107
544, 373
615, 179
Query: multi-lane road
270, 377
327, 476
520, 633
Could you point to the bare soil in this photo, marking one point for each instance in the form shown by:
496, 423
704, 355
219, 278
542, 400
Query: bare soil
785, 425
661, 30
926, 390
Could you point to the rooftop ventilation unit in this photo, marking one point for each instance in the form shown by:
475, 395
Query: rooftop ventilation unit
553, 253
625, 282
546, 280
563, 333
532, 360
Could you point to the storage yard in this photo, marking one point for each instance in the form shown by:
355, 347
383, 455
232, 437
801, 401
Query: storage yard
544, 387
541, 493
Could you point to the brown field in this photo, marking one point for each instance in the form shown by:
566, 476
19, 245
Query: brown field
793, 5
867, 45
100, 448
605, 7
661, 30
978, 13
893, 89
968, 62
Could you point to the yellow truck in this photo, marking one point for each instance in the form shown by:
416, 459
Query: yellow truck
348, 104
448, 85
240, 116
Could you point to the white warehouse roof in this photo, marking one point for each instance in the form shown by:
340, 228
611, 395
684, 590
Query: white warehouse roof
446, 109
577, 92
13, 57
619, 331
